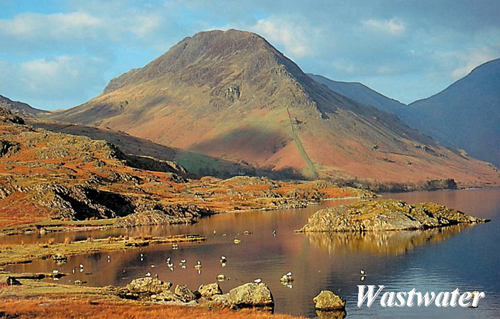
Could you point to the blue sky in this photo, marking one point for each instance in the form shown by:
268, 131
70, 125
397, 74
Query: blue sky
58, 54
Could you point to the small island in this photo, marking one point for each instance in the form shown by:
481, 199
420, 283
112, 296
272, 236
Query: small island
385, 215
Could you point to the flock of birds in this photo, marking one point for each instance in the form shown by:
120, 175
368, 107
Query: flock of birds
287, 279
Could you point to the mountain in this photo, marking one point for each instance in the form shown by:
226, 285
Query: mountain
20, 108
232, 95
361, 93
465, 115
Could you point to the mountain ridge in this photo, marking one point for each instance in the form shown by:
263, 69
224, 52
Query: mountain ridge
20, 108
232, 95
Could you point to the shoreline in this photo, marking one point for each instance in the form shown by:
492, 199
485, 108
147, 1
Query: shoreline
110, 223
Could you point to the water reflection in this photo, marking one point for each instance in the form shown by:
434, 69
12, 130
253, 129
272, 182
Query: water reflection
432, 260
381, 243
336, 314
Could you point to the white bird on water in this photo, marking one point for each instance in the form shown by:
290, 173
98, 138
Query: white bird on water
223, 259
257, 281
148, 274
362, 272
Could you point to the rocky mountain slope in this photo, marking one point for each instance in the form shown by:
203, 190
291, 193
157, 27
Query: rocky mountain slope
465, 115
20, 108
232, 95
48, 176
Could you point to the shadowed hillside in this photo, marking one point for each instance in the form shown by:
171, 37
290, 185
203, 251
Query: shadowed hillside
465, 115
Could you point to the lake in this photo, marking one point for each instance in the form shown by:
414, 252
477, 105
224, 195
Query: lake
464, 257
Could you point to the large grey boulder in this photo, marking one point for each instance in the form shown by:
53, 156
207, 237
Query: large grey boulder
246, 296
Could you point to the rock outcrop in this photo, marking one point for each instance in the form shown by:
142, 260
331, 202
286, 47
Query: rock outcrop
385, 215
153, 290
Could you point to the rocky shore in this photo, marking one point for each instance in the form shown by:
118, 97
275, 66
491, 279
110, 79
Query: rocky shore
148, 289
385, 215
25, 296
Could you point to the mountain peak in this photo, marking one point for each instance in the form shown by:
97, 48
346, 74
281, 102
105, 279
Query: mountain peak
232, 95
204, 53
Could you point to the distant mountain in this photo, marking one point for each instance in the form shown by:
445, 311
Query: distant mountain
20, 108
465, 115
232, 95
361, 93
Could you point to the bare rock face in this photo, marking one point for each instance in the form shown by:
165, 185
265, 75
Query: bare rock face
385, 215
247, 296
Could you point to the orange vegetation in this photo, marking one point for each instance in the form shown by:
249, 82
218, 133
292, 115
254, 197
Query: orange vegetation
68, 308
54, 176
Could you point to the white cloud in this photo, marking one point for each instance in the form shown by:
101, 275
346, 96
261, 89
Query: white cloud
393, 26
64, 78
59, 26
468, 61
297, 38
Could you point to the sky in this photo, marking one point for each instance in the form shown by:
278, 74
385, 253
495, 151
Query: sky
56, 54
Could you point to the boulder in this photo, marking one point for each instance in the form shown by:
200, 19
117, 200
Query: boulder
144, 288
327, 301
210, 290
246, 296
184, 293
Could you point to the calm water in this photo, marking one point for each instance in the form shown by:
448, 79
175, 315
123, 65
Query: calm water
439, 260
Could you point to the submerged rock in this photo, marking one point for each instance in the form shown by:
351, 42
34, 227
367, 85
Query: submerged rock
383, 215
246, 296
327, 301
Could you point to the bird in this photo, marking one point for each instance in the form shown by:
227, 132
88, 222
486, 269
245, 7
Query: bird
289, 274
274, 232
236, 241
55, 271
152, 266
257, 281
73, 270
198, 265
81, 265
223, 259
362, 272
148, 274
